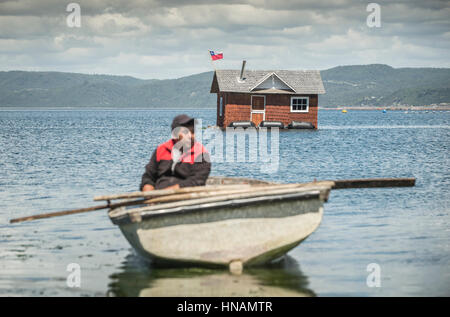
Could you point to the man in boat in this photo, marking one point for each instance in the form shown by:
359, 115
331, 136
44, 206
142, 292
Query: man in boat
179, 162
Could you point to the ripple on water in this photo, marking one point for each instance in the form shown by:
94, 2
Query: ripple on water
57, 160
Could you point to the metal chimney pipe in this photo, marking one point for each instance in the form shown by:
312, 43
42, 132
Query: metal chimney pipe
242, 70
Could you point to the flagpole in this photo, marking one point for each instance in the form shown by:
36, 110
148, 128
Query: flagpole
212, 62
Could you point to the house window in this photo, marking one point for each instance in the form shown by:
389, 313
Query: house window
221, 107
299, 104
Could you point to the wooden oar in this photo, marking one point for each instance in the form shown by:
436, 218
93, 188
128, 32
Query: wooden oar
229, 193
179, 194
320, 187
76, 211
339, 184
184, 195
374, 182
164, 192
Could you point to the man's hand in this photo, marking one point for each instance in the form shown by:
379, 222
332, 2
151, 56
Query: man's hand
176, 186
147, 188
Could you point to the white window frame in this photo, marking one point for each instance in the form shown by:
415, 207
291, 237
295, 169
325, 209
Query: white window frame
307, 104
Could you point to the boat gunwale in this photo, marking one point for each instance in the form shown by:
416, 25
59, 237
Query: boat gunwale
133, 216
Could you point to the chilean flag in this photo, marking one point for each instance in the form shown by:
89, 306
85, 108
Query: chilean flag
216, 56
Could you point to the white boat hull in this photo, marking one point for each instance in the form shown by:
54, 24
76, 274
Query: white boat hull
252, 231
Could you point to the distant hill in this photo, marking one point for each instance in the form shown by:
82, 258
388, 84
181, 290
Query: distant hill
360, 85
382, 85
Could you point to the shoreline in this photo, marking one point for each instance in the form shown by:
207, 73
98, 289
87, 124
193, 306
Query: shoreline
405, 108
411, 108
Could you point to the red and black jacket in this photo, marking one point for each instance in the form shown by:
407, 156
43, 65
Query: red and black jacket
192, 169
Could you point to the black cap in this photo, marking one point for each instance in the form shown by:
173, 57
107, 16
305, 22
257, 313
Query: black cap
182, 120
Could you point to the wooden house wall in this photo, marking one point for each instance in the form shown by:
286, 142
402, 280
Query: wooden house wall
278, 108
237, 107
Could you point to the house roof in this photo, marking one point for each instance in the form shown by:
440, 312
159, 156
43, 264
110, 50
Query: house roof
300, 81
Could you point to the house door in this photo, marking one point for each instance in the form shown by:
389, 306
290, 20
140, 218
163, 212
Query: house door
258, 111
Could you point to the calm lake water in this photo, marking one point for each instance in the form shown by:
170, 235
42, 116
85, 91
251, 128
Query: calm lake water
53, 160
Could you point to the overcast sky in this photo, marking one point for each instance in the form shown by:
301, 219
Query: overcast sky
169, 38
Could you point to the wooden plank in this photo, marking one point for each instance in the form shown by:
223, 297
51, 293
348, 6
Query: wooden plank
222, 193
164, 192
266, 192
374, 182
339, 184
194, 195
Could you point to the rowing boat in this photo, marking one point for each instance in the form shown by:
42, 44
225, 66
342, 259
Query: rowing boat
250, 228
228, 222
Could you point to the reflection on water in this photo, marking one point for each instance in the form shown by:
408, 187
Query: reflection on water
138, 278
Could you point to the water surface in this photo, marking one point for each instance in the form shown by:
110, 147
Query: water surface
60, 159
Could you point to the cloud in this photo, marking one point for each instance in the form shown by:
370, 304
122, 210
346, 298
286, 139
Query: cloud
165, 39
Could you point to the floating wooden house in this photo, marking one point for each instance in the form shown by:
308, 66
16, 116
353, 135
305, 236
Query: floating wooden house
286, 96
